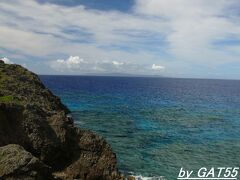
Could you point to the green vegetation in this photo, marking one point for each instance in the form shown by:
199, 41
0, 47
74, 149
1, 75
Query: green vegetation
6, 99
9, 99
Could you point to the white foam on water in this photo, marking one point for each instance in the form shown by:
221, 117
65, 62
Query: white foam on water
140, 177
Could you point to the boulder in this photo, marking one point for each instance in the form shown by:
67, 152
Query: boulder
17, 163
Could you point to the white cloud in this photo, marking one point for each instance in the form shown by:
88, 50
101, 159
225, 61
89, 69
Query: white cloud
157, 67
194, 27
103, 28
76, 65
73, 62
6, 60
117, 63
177, 32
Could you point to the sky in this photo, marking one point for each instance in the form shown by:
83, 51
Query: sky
170, 38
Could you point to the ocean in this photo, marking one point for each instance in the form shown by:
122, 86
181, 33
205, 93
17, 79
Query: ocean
157, 125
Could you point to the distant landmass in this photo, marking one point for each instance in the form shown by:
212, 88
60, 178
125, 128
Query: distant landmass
124, 75
114, 75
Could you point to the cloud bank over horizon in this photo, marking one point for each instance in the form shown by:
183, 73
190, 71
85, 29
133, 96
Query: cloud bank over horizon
180, 38
75, 64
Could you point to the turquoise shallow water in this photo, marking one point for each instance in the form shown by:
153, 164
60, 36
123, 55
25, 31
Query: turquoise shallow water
158, 125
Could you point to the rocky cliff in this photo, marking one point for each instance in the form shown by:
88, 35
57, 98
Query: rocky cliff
47, 145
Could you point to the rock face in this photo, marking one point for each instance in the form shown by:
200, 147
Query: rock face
32, 117
16, 163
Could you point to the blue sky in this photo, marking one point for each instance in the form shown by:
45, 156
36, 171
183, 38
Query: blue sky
104, 5
177, 38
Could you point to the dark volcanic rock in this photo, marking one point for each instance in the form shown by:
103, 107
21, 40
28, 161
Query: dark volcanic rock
9, 123
31, 116
16, 163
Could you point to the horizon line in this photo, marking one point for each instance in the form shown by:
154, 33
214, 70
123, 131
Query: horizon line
139, 76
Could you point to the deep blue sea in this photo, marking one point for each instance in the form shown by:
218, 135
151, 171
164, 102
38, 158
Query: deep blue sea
158, 125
